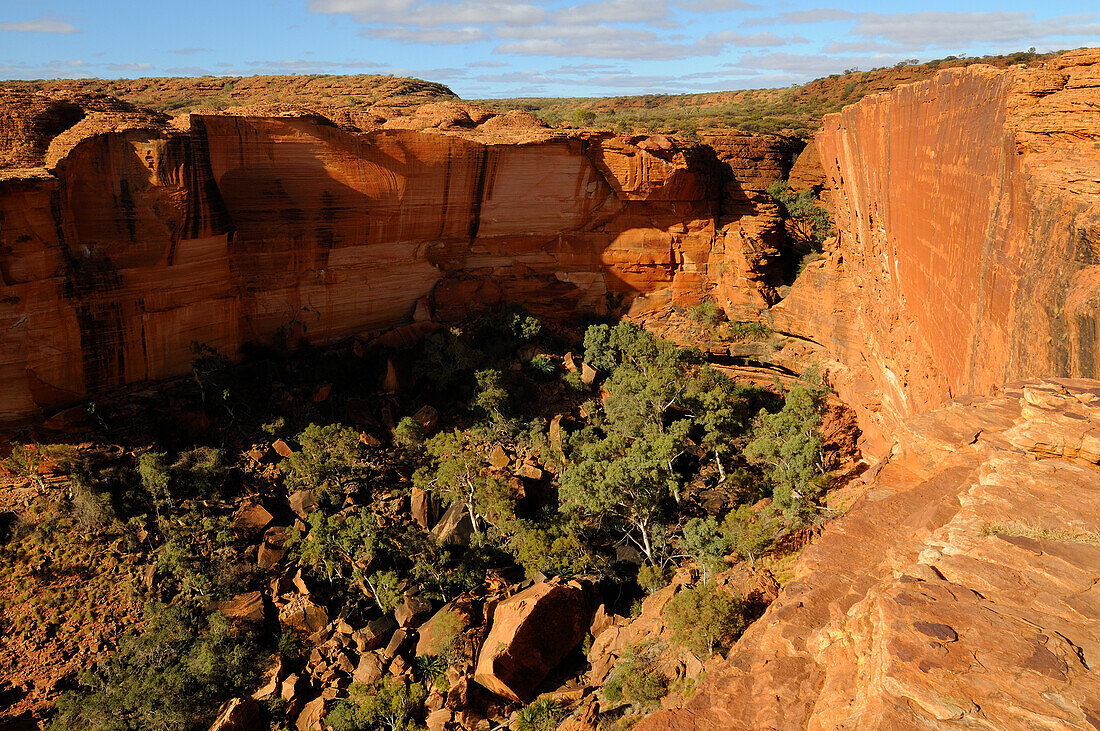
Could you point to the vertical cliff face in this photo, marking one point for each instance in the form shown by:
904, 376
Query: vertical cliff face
141, 237
968, 217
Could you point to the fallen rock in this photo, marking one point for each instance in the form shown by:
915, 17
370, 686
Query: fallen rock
247, 608
302, 615
311, 716
454, 528
531, 633
424, 508
252, 519
371, 667
238, 714
427, 417
440, 630
412, 612
282, 449
303, 502
271, 550
375, 634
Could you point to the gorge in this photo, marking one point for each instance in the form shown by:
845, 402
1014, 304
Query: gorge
955, 312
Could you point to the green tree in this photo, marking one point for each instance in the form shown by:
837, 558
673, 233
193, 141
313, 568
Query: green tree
543, 715
409, 434
491, 396
390, 705
749, 532
705, 542
787, 445
459, 472
705, 617
170, 676
331, 460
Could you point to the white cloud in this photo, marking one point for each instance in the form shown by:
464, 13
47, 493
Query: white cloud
818, 15
42, 25
129, 66
443, 36
952, 30
190, 50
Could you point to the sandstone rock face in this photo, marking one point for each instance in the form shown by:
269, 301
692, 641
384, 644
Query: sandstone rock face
960, 590
141, 236
968, 210
532, 631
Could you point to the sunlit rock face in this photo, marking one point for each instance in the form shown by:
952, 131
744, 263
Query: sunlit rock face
968, 209
140, 236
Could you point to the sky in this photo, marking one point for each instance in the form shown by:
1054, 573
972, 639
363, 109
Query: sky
507, 48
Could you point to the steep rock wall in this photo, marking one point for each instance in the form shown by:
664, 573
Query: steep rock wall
968, 210
142, 237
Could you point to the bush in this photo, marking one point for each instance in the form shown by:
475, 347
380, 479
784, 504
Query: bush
706, 312
542, 715
173, 674
637, 678
330, 461
409, 434
704, 618
652, 578
390, 704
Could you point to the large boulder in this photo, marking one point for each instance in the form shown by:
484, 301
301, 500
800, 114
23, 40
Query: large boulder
531, 633
454, 528
302, 615
238, 714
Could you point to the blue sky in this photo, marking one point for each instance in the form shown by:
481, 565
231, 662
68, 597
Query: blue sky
494, 48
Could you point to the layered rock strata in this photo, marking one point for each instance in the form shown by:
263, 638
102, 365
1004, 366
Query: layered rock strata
968, 255
140, 236
959, 591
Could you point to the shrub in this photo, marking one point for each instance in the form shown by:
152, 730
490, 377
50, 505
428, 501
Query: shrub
390, 704
330, 461
706, 312
651, 578
705, 617
173, 674
409, 434
543, 715
636, 678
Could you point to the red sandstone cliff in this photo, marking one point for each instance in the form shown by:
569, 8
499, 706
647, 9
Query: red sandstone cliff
140, 236
968, 209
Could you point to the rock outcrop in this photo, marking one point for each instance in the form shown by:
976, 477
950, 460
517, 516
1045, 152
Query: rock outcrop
961, 589
531, 632
968, 211
142, 235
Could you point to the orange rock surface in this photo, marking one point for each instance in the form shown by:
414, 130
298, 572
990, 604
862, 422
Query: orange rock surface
141, 236
959, 591
968, 209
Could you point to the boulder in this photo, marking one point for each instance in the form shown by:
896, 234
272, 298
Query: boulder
454, 528
427, 417
311, 715
531, 633
303, 502
251, 519
438, 720
376, 634
302, 615
588, 374
424, 508
394, 645
282, 448
270, 685
238, 714
436, 633
271, 550
413, 611
245, 608
371, 667
498, 458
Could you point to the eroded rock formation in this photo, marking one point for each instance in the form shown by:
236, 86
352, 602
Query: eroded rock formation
968, 209
960, 589
141, 236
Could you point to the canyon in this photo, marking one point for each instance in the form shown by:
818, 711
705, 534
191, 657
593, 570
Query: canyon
955, 312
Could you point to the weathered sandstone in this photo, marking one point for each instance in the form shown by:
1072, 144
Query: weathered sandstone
142, 236
959, 591
968, 210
